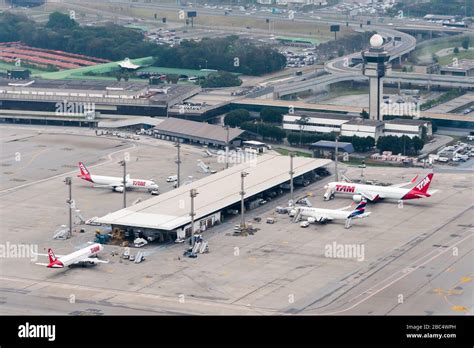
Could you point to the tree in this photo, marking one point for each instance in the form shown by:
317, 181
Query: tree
59, 20
465, 43
417, 144
237, 117
265, 130
230, 54
271, 115
364, 114
456, 50
404, 145
221, 79
361, 144
172, 78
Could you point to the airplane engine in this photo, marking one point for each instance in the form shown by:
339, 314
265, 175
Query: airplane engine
311, 220
118, 189
357, 198
323, 220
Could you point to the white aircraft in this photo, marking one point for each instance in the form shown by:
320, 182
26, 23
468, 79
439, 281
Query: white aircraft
374, 192
81, 256
116, 183
313, 215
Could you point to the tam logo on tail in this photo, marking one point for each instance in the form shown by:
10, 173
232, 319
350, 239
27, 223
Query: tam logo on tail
51, 255
424, 184
83, 169
421, 189
85, 174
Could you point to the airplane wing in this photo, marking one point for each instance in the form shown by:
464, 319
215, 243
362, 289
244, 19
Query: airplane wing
93, 260
348, 207
42, 264
412, 181
57, 255
370, 197
111, 186
108, 185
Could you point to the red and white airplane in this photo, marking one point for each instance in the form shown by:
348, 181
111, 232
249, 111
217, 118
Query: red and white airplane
116, 183
82, 256
374, 192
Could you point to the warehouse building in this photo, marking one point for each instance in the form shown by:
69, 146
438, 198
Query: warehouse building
327, 149
167, 217
194, 132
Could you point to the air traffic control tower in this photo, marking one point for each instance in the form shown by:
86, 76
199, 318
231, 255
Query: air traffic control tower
375, 67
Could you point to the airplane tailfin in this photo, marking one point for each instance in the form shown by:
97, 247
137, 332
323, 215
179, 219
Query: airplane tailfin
85, 174
51, 255
424, 184
359, 210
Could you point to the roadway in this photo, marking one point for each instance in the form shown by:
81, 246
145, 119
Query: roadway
298, 105
340, 69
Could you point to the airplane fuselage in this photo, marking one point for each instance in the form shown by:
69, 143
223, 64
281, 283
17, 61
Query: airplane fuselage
385, 192
327, 214
77, 256
114, 181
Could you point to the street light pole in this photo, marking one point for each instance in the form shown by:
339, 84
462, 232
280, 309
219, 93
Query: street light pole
68, 182
178, 162
335, 158
362, 166
227, 148
242, 206
292, 155
124, 182
193, 193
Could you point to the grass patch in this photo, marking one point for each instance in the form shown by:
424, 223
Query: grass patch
445, 60
7, 66
79, 73
355, 162
315, 31
433, 47
285, 152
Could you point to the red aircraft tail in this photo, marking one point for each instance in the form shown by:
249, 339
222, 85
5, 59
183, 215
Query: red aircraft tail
421, 188
51, 255
85, 174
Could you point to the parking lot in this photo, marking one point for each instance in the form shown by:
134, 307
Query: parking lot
422, 251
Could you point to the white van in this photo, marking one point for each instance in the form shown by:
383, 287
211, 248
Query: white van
172, 178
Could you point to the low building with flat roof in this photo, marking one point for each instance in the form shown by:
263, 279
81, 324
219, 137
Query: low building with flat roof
110, 97
411, 128
363, 128
176, 129
167, 216
315, 122
462, 67
327, 149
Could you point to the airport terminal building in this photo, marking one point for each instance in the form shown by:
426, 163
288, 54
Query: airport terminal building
167, 216
60, 99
